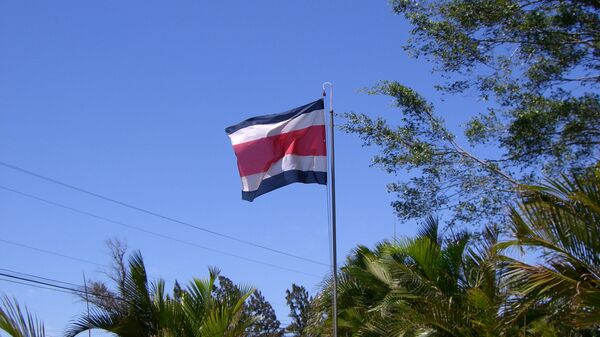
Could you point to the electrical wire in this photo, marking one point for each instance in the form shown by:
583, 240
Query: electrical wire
39, 277
35, 286
50, 252
34, 280
158, 215
45, 251
44, 283
154, 233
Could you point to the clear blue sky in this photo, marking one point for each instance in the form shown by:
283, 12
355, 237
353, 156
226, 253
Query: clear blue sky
130, 99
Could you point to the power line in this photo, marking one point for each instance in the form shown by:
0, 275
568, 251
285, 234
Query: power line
39, 277
45, 251
36, 286
49, 282
27, 279
50, 252
164, 217
152, 232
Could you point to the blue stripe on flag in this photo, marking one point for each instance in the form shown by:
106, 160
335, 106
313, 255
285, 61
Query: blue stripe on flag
280, 117
286, 178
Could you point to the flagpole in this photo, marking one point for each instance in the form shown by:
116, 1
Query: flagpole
333, 215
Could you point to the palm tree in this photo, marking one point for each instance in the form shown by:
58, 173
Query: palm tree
17, 323
359, 291
561, 222
424, 286
151, 312
206, 315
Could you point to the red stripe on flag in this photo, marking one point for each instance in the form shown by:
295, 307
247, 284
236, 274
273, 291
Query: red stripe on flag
258, 155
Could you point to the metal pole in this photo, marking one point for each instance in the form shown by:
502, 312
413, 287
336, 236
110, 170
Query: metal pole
87, 302
333, 215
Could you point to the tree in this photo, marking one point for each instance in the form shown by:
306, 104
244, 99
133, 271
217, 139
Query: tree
151, 311
224, 287
534, 65
300, 303
265, 323
426, 286
561, 221
359, 291
454, 285
255, 309
429, 286
206, 315
99, 293
18, 323
140, 300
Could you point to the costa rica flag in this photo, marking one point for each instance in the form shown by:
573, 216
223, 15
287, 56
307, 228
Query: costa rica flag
277, 150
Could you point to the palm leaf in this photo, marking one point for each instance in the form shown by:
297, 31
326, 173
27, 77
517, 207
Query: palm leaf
17, 322
562, 221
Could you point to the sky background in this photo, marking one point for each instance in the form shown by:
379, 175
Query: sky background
129, 99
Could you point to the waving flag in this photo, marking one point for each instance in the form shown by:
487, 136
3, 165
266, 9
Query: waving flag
276, 150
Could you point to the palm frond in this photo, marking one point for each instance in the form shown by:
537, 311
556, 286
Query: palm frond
560, 219
19, 322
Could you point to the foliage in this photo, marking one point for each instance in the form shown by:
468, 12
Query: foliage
18, 323
538, 60
455, 285
534, 64
424, 286
300, 307
448, 177
256, 308
265, 322
561, 221
195, 311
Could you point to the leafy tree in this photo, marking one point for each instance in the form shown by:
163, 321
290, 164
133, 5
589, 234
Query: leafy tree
224, 288
534, 65
300, 305
447, 176
265, 322
561, 221
18, 323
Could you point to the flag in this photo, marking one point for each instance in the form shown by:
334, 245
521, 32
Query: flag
280, 149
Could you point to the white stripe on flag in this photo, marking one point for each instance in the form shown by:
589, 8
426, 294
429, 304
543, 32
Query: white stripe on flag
254, 132
287, 163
